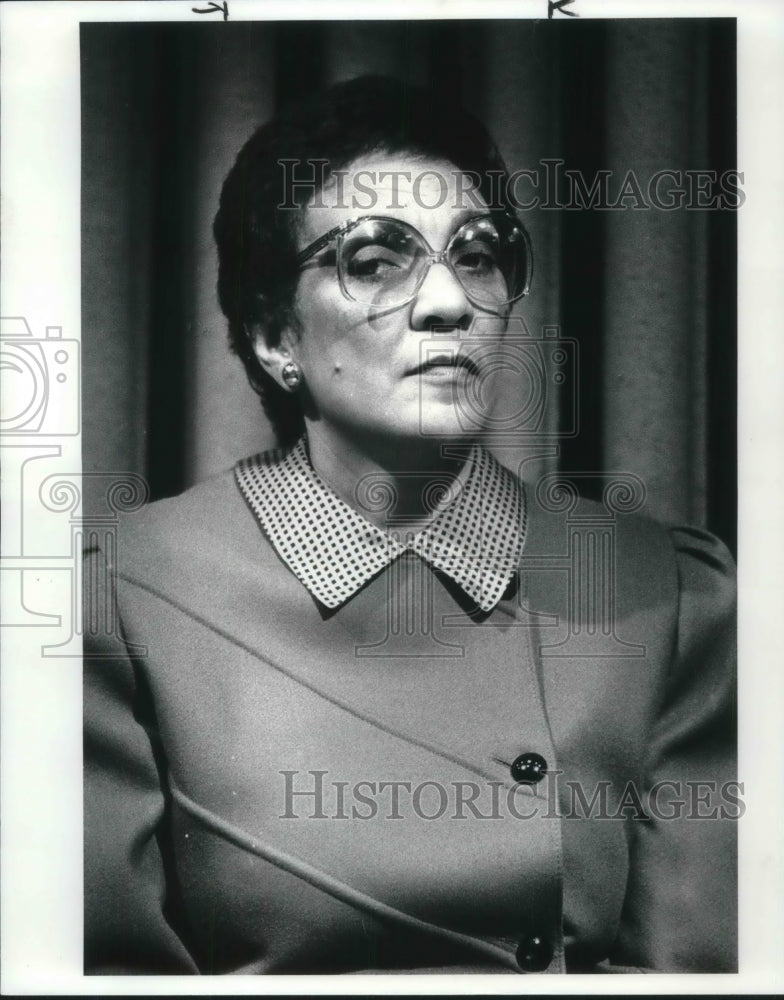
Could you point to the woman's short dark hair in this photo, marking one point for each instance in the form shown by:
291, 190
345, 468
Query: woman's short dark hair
256, 237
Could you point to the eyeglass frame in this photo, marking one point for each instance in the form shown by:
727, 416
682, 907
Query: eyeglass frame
434, 256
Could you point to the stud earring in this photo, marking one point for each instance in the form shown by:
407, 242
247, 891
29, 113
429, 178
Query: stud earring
291, 374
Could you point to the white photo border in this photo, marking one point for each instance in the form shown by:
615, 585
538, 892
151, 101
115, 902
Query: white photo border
41, 694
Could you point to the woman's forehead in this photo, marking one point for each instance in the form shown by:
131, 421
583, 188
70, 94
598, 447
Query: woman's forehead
432, 195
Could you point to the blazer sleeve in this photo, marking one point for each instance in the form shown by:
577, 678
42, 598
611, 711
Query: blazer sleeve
680, 910
126, 898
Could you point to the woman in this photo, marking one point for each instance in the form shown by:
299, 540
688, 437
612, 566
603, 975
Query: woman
361, 718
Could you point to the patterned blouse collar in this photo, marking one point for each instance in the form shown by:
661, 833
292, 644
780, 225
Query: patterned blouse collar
476, 536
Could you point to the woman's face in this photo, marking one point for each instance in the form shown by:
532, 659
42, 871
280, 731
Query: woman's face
393, 375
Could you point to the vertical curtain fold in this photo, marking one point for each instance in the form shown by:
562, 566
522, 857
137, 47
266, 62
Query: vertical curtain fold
584, 111
519, 97
722, 299
234, 91
651, 379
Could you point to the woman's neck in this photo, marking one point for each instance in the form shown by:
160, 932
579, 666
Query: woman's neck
391, 483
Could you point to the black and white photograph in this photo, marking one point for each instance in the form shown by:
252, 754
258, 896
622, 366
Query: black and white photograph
399, 500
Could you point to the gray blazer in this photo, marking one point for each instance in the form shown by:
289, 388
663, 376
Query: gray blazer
405, 784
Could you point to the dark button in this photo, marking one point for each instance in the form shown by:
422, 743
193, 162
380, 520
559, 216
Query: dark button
529, 767
534, 953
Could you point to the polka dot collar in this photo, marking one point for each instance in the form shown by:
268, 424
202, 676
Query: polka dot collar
476, 536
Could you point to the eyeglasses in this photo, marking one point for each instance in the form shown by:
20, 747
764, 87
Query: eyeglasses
383, 262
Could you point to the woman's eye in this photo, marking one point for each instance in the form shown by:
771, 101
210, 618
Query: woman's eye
477, 259
371, 262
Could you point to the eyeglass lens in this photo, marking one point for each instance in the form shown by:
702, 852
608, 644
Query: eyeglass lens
382, 262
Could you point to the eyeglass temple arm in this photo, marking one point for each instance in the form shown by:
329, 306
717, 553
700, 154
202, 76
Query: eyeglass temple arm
322, 241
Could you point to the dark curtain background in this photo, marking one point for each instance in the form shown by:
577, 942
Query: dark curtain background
648, 295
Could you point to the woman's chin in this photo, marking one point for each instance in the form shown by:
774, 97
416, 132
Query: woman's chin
449, 424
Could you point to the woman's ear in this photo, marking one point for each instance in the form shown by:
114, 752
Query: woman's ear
272, 358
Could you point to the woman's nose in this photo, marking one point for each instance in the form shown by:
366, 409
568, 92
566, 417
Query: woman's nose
441, 301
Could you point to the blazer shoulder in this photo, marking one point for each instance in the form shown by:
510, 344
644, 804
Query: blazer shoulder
203, 501
185, 535
552, 512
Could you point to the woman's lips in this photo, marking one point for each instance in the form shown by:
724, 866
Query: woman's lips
445, 367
